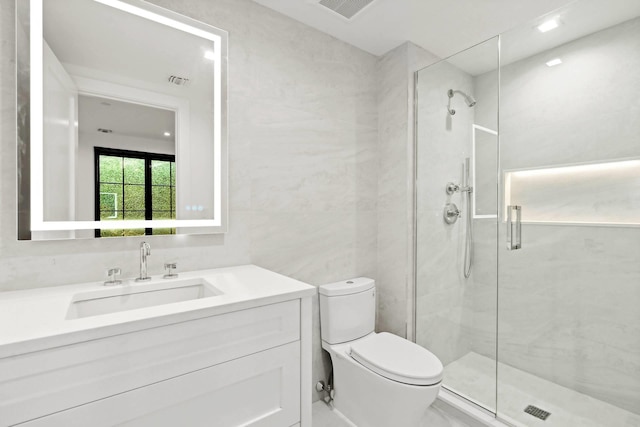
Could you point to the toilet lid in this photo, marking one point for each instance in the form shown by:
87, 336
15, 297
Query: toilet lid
398, 359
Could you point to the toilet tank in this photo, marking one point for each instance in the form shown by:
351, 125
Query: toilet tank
347, 310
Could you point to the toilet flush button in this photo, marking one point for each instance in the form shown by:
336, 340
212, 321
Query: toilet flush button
349, 282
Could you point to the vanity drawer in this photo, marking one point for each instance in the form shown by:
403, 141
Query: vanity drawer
261, 390
44, 382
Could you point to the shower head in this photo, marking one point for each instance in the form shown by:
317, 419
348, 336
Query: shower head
468, 99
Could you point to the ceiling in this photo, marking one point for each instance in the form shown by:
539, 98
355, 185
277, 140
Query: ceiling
445, 27
97, 37
105, 43
125, 118
442, 27
576, 20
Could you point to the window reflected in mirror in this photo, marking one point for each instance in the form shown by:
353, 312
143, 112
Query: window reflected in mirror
133, 185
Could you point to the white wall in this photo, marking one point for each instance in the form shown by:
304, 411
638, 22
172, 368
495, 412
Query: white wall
303, 155
60, 114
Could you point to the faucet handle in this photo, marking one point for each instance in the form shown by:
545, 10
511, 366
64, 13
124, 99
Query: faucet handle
169, 267
113, 274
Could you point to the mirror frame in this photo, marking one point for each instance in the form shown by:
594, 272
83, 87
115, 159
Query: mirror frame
145, 10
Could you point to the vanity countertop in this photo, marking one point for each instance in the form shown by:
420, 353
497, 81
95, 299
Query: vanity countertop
35, 319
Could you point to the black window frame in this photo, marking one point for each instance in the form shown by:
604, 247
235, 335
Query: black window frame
148, 158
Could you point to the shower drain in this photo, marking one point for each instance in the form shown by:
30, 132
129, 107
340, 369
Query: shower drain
537, 412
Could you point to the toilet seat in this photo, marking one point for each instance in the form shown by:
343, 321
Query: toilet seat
397, 359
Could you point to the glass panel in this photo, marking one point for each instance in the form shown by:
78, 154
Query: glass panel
161, 198
111, 197
110, 215
162, 214
123, 233
134, 215
160, 172
161, 231
134, 197
569, 322
111, 233
110, 169
127, 201
133, 171
456, 146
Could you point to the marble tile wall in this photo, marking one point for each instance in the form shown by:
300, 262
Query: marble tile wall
303, 157
395, 185
568, 300
393, 193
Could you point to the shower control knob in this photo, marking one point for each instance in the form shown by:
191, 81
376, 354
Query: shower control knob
451, 213
452, 188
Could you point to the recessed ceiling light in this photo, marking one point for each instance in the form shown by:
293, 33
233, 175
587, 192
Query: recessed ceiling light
548, 25
210, 55
554, 62
167, 134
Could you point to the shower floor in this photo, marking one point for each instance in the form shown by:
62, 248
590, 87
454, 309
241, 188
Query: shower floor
473, 376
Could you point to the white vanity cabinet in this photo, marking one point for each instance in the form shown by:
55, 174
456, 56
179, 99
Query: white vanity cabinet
249, 367
257, 390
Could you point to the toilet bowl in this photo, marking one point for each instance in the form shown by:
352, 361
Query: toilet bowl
379, 379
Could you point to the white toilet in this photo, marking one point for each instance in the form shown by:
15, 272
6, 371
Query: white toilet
380, 380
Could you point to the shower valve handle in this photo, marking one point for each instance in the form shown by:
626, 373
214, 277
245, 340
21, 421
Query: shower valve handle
451, 213
452, 188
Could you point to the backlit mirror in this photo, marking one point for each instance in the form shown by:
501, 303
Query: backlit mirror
121, 120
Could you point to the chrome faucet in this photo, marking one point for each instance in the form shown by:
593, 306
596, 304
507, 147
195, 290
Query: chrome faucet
145, 251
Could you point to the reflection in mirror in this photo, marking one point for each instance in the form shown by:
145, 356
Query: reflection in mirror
128, 151
127, 117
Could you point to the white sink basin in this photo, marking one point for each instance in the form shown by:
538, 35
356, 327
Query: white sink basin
125, 297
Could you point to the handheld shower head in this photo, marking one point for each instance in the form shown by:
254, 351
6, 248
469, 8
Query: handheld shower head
468, 99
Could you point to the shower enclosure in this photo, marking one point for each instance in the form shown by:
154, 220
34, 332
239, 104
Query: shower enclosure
527, 218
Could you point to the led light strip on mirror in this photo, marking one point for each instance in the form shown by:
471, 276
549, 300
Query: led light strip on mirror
164, 17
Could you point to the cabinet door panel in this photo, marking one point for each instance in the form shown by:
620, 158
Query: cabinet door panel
41, 383
261, 390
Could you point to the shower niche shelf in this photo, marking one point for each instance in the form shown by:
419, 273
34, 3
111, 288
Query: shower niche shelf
599, 194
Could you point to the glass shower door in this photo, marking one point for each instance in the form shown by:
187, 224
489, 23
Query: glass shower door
568, 320
456, 219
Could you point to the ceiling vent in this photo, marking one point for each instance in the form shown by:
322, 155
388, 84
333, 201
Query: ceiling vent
178, 81
346, 8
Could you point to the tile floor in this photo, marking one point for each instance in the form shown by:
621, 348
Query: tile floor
473, 376
436, 416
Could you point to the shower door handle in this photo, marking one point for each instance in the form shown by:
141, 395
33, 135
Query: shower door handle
514, 228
